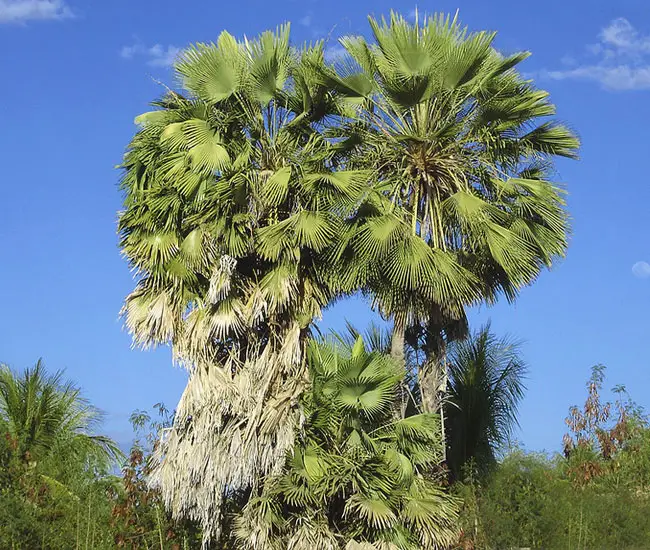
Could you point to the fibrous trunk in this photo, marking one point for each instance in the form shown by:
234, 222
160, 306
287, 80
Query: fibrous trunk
234, 425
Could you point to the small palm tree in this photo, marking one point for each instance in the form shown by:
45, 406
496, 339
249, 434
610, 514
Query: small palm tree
47, 419
486, 385
356, 475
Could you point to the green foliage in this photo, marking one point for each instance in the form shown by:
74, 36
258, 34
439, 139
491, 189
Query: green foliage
358, 472
595, 496
232, 193
47, 419
138, 517
56, 477
57, 486
530, 502
461, 148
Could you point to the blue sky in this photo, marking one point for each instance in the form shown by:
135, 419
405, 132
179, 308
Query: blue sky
76, 73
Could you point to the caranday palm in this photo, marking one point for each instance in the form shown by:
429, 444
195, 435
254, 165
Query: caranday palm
486, 385
233, 195
461, 147
417, 172
358, 477
47, 420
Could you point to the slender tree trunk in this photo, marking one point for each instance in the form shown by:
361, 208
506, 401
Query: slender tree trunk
398, 353
433, 373
88, 524
432, 379
397, 343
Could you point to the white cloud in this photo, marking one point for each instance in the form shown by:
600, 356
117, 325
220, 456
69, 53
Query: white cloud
620, 34
620, 60
641, 270
156, 55
334, 53
621, 77
305, 21
20, 11
569, 61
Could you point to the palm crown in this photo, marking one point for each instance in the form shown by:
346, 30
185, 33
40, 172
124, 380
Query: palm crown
461, 148
485, 388
47, 419
231, 196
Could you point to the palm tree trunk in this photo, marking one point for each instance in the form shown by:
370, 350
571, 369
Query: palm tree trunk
397, 343
432, 379
397, 352
432, 375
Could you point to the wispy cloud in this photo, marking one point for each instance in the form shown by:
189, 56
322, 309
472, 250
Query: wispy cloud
155, 56
335, 52
641, 270
21, 11
620, 60
305, 21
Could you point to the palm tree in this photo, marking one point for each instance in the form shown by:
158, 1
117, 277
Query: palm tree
233, 195
243, 220
357, 475
485, 388
462, 209
46, 419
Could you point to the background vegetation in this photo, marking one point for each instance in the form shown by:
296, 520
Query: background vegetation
595, 494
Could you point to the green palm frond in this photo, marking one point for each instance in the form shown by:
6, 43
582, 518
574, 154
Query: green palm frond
486, 385
449, 124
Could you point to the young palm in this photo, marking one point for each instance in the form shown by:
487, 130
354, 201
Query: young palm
357, 476
485, 387
47, 420
232, 197
461, 148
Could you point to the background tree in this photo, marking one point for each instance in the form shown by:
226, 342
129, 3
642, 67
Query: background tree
485, 388
55, 471
594, 495
47, 419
